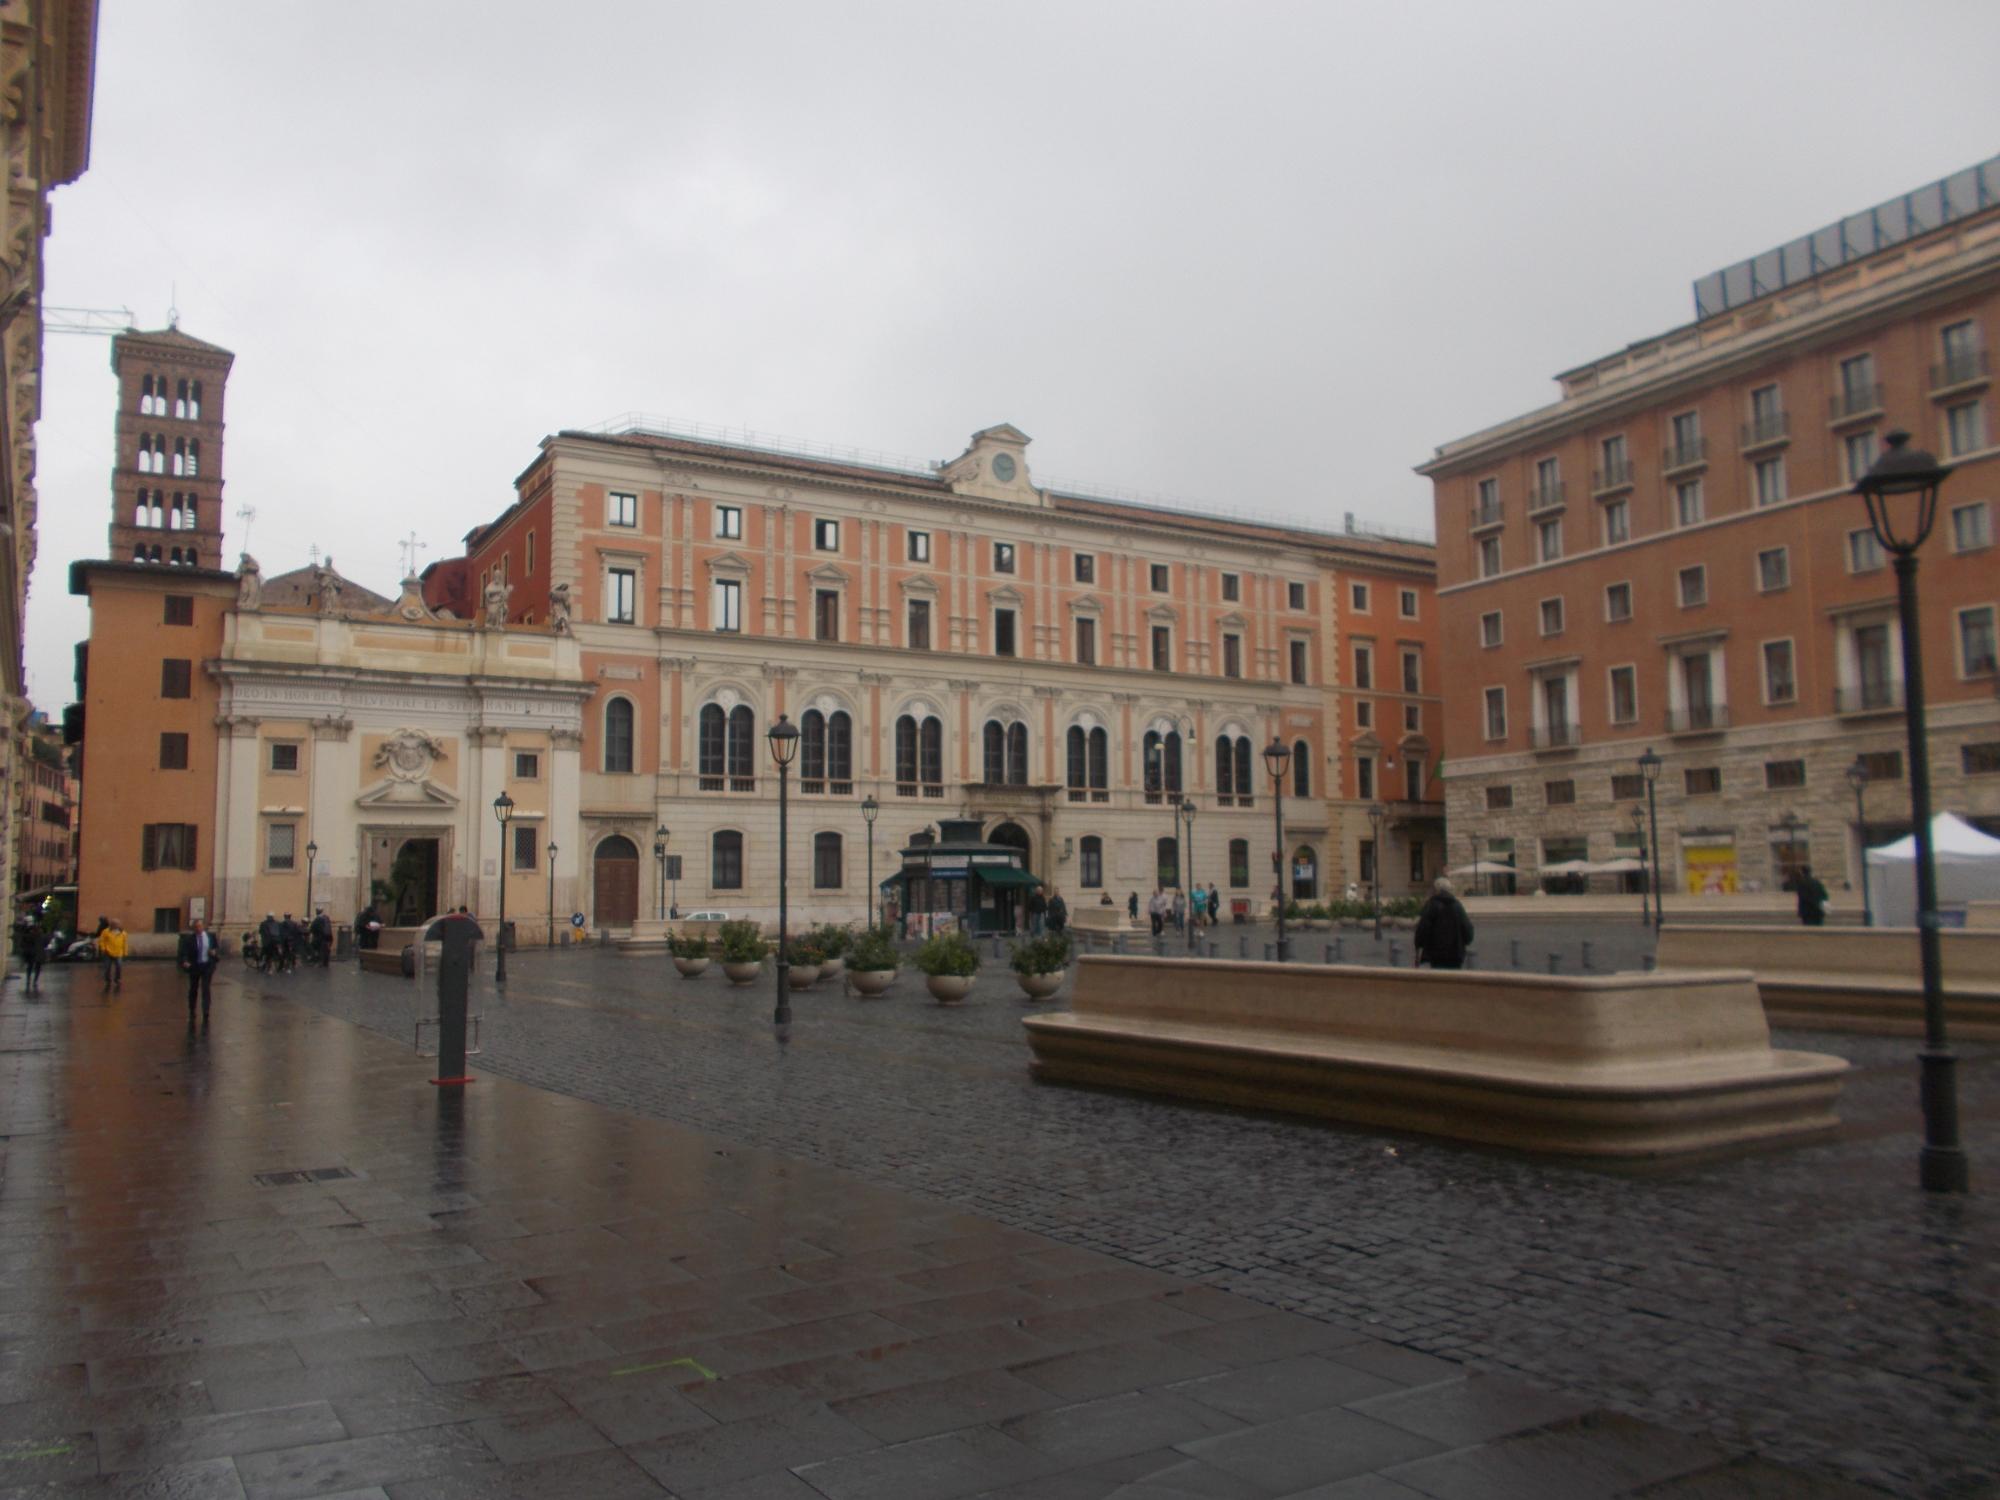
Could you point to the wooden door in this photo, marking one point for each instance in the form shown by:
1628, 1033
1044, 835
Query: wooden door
615, 883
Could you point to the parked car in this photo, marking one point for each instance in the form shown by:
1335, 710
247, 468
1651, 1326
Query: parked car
704, 916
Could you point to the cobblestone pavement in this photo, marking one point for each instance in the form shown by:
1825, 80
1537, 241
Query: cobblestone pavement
1810, 1304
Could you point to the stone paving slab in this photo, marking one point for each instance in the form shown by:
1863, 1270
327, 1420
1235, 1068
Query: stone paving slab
510, 1291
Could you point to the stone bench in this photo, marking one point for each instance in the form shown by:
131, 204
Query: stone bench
1866, 979
1614, 1066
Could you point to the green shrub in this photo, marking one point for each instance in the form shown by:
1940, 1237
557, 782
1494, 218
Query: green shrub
689, 945
873, 951
803, 953
1316, 913
1042, 955
949, 953
1403, 906
1294, 912
832, 940
742, 943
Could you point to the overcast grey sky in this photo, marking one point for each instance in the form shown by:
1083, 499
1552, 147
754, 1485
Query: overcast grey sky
1264, 255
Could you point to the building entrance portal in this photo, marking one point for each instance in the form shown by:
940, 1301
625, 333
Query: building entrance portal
403, 877
615, 882
1008, 902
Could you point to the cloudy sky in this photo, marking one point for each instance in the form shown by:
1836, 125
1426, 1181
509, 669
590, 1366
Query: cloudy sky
1263, 256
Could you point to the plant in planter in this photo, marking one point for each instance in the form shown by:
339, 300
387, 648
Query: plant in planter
871, 962
691, 953
1040, 963
1316, 914
833, 943
743, 950
949, 962
804, 957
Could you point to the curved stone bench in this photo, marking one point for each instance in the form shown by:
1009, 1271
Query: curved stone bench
1620, 1066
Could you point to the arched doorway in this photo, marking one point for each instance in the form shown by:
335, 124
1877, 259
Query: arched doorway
1014, 836
413, 882
615, 882
1008, 903
1305, 874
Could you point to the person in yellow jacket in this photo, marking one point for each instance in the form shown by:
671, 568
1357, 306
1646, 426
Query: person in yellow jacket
111, 948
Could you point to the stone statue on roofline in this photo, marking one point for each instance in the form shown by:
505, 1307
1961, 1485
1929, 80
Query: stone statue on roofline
559, 618
327, 583
249, 583
495, 601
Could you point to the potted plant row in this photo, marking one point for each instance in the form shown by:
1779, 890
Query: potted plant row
743, 951
833, 942
871, 962
949, 962
804, 958
1040, 965
691, 953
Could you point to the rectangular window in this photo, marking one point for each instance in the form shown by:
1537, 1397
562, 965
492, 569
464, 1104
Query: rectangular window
281, 842
1499, 798
1163, 649
1549, 539
1981, 759
826, 614
527, 765
917, 627
1958, 343
621, 596
729, 522
1299, 660
1693, 586
1774, 569
1496, 713
1688, 505
1768, 479
1624, 695
1232, 656
1784, 775
1703, 781
1232, 588
1161, 578
1489, 498
826, 862
1406, 604
1864, 553
167, 846
1364, 714
1364, 666
1239, 863
284, 756
1858, 391
1003, 557
529, 570
1971, 527
180, 609
1628, 786
1364, 778
1086, 641
1687, 436
725, 861
176, 678
1552, 616
1964, 427
1490, 629
166, 919
1617, 522
1413, 671
726, 605
1090, 862
1085, 564
1357, 598
1882, 765
917, 546
1413, 718
1766, 407
1617, 465
1548, 478
1975, 641
1295, 595
527, 846
1489, 556
621, 509
1559, 793
826, 535
173, 752
1780, 684
1858, 448
1003, 632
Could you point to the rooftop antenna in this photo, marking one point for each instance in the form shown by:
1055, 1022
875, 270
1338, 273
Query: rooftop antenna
246, 514
173, 305
409, 546
312, 554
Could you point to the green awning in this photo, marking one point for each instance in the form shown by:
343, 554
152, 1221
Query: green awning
1004, 875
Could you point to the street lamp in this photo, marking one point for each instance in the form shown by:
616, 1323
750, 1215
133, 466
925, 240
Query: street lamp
1857, 777
312, 854
1187, 811
870, 811
1901, 492
1791, 824
660, 859
1375, 815
1278, 760
552, 894
1645, 873
783, 737
1649, 768
503, 812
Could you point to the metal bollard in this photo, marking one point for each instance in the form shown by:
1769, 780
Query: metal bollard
1555, 962
1242, 946
459, 939
1514, 952
1267, 952
1586, 955
1340, 950
1395, 954
1648, 961
1327, 954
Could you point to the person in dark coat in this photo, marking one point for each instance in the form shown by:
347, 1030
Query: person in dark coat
1812, 897
197, 959
28, 939
1038, 910
269, 943
368, 927
1444, 931
320, 936
1058, 913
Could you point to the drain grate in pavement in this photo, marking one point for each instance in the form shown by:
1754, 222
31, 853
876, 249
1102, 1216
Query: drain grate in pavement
307, 1174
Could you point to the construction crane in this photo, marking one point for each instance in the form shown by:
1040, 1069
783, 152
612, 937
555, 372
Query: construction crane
103, 322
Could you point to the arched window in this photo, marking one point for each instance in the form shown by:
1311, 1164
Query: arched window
1100, 764
194, 403
906, 756
1302, 781
1225, 766
995, 745
1163, 764
1239, 864
725, 860
142, 511
1017, 754
155, 554
1246, 765
1090, 861
618, 735
710, 738
194, 457
1167, 856
174, 558
138, 554
840, 751
146, 396
812, 751
826, 862
180, 455
930, 756
188, 514
1079, 759
181, 399
742, 749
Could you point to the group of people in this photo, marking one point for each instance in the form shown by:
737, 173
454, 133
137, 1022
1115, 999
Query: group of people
1046, 913
281, 943
1202, 906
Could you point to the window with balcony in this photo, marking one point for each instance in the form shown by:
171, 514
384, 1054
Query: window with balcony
1767, 478
1549, 540
725, 749
729, 522
1693, 585
1781, 684
1975, 641
1685, 446
1964, 427
1858, 453
1963, 359
1864, 553
1617, 522
1496, 713
1689, 506
1548, 488
621, 509
1089, 764
917, 625
826, 753
1698, 709
1558, 727
1235, 769
1486, 502
1232, 588
917, 546
1489, 556
1160, 754
1624, 695
1874, 683
1767, 415
1552, 616
1086, 641
1774, 569
1859, 390
1490, 629
826, 535
1084, 567
725, 603
1615, 463
1971, 527
1499, 798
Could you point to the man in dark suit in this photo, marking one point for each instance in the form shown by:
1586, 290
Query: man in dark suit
197, 958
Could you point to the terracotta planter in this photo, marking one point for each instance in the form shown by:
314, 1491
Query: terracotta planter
801, 978
691, 968
1041, 986
833, 968
745, 973
868, 983
948, 989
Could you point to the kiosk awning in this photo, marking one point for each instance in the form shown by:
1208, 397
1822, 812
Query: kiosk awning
1005, 875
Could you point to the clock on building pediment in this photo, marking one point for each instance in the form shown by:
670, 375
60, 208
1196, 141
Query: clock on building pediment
994, 466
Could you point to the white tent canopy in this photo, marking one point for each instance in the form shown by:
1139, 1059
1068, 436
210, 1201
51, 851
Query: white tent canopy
1968, 869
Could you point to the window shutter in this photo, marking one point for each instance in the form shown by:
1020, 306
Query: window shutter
187, 844
146, 841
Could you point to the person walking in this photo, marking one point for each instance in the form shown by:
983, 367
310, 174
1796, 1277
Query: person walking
1179, 910
197, 958
1157, 910
1038, 911
1444, 931
291, 938
111, 947
367, 927
1058, 914
1199, 903
1132, 906
320, 935
1214, 905
28, 944
1812, 897
268, 942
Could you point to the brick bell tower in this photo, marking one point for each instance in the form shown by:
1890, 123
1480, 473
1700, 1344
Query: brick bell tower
166, 477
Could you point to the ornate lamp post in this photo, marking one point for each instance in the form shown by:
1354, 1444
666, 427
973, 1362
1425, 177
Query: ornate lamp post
870, 811
1187, 812
1375, 815
1278, 760
1901, 492
1645, 871
312, 854
503, 812
783, 737
1649, 767
1857, 777
552, 894
660, 859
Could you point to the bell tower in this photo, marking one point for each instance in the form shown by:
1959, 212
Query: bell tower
166, 477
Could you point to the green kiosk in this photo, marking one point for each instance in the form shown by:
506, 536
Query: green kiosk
956, 879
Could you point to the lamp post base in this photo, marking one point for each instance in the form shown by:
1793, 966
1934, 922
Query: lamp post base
1941, 1165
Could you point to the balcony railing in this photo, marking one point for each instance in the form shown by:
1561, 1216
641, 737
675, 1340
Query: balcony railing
1698, 718
1689, 455
1863, 400
1612, 477
1967, 368
730, 783
1555, 736
1772, 427
1493, 513
819, 787
1547, 495
1868, 698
